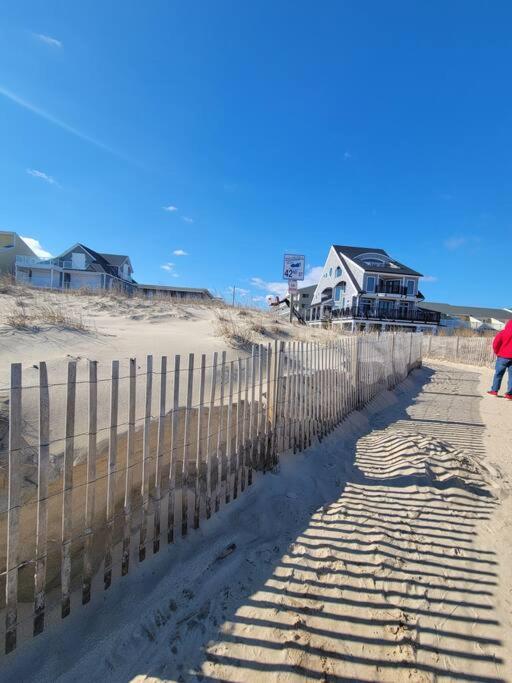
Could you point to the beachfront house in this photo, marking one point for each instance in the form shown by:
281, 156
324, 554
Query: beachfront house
365, 288
79, 267
301, 301
11, 246
469, 317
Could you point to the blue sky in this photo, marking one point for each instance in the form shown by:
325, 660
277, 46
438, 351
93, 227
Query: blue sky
262, 127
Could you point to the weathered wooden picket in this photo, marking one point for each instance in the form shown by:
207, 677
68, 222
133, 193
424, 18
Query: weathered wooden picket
458, 349
99, 470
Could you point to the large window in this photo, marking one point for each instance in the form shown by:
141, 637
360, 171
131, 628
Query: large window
370, 283
339, 290
411, 287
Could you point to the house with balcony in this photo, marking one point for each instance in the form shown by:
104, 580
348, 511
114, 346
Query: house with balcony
365, 288
79, 267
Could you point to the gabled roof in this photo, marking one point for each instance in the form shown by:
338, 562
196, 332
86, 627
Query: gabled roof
394, 267
473, 311
115, 259
307, 289
347, 269
102, 263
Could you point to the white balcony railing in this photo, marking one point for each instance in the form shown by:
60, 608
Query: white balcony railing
43, 263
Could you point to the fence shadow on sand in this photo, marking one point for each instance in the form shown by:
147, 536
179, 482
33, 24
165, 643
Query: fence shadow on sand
385, 581
374, 571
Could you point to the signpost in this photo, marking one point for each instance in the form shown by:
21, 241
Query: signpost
293, 270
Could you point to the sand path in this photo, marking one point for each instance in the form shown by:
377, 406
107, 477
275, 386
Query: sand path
382, 554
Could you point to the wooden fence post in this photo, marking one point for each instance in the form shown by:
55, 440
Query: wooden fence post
13, 509
185, 475
238, 429
229, 434
146, 459
157, 503
199, 449
111, 469
67, 491
209, 446
275, 397
218, 484
42, 503
130, 452
171, 502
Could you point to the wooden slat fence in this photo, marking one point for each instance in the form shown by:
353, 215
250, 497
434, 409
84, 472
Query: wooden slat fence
467, 350
105, 462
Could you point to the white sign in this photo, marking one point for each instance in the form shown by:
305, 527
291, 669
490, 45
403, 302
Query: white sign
293, 267
292, 286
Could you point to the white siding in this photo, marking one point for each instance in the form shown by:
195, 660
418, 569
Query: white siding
330, 279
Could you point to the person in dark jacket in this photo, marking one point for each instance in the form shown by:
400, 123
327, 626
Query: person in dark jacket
502, 346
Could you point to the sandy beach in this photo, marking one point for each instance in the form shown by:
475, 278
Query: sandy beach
378, 555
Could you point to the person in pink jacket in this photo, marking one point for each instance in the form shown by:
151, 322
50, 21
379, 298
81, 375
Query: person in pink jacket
502, 346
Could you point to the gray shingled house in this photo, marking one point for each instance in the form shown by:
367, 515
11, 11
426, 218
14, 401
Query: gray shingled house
364, 287
76, 268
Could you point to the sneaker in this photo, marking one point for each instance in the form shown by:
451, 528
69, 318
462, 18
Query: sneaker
495, 393
509, 396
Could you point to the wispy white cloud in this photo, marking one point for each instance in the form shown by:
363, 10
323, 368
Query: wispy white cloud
276, 288
48, 40
170, 208
312, 277
239, 291
43, 176
453, 243
180, 252
36, 247
169, 267
429, 278
25, 104
187, 219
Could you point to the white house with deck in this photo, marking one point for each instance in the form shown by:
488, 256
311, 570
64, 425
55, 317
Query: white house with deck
364, 288
77, 268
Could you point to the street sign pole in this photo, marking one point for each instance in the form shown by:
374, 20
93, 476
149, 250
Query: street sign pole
293, 270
